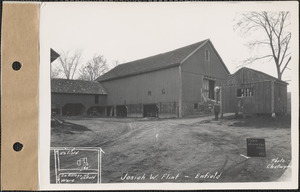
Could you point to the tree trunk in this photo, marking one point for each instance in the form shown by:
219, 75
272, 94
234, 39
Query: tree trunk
279, 74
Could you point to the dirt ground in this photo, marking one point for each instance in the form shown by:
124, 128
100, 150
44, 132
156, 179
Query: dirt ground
180, 150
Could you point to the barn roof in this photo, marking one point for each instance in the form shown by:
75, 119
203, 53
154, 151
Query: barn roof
156, 62
247, 75
76, 87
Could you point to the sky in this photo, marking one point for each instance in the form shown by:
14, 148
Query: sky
131, 31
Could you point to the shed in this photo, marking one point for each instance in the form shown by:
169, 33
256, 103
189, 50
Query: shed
77, 97
250, 91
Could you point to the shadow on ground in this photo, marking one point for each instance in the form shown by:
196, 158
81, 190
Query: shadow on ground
263, 121
68, 128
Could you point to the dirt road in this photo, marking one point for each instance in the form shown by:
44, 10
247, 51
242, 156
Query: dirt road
182, 150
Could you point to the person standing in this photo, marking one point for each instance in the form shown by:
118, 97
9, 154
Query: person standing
217, 110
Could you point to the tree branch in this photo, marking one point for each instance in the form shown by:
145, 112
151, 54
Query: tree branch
285, 65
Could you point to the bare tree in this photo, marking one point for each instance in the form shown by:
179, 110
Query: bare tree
93, 68
69, 63
277, 36
55, 72
115, 63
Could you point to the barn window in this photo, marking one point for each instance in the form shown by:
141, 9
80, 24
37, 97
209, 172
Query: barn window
245, 92
96, 99
149, 93
206, 55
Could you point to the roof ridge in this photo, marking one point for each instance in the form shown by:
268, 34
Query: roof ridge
270, 76
154, 62
60, 85
203, 41
72, 80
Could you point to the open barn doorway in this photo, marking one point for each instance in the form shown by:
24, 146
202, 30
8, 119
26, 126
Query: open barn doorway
96, 111
73, 109
121, 111
211, 93
150, 110
109, 111
209, 88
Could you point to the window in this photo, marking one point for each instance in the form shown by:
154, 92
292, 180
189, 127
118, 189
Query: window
149, 93
206, 55
96, 99
245, 92
163, 91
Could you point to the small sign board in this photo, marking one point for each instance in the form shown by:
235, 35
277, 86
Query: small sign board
256, 147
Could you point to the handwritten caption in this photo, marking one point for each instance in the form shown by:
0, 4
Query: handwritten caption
278, 163
171, 177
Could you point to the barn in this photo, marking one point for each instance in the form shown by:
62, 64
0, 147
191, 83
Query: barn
171, 84
77, 97
253, 92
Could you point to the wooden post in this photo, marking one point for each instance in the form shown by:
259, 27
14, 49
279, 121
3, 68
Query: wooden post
221, 103
115, 110
180, 93
272, 97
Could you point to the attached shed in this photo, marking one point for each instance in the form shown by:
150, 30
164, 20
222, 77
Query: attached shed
77, 97
249, 91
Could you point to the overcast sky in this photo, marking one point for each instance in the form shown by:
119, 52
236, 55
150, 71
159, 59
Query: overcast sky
130, 31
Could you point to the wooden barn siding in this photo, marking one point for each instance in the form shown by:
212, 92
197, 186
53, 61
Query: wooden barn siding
289, 103
134, 89
168, 109
229, 99
135, 110
260, 102
246, 76
280, 98
193, 71
60, 99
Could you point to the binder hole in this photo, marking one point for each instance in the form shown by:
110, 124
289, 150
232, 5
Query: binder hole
16, 65
18, 146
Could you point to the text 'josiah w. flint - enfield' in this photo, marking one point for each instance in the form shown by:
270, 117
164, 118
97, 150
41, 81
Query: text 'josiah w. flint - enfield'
170, 177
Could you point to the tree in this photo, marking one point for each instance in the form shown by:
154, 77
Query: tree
55, 72
93, 68
274, 25
115, 63
69, 63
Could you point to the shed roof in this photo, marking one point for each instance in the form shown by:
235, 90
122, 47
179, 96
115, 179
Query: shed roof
156, 62
76, 87
247, 75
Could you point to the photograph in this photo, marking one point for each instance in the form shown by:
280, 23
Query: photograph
160, 93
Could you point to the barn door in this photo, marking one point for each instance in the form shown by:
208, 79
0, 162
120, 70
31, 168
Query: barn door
151, 110
211, 93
